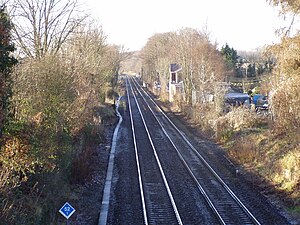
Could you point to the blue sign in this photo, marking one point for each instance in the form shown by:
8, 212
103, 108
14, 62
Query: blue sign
67, 210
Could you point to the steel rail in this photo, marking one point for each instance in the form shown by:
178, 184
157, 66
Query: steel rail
199, 186
225, 186
156, 157
137, 161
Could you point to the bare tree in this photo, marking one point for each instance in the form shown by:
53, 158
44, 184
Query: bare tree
187, 44
202, 65
42, 26
157, 55
3, 2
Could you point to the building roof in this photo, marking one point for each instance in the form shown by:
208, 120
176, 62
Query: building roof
174, 68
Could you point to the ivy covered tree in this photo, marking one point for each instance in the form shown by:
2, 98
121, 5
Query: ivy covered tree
6, 63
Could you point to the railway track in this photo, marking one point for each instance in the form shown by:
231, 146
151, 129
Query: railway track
158, 203
222, 201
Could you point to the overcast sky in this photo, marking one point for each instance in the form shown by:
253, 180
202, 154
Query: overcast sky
243, 24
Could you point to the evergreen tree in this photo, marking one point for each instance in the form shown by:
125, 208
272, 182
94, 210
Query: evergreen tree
230, 55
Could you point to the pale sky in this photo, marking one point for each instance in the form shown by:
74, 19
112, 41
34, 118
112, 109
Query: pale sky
243, 24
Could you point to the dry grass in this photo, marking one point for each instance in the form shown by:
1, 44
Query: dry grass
282, 154
236, 120
288, 170
245, 150
276, 159
272, 154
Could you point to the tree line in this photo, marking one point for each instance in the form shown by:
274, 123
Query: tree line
201, 62
55, 75
203, 71
245, 65
204, 68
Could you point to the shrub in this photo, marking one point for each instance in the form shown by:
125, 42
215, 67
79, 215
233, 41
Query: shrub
285, 105
236, 120
244, 150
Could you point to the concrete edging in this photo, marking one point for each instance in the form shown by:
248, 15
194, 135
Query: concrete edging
106, 192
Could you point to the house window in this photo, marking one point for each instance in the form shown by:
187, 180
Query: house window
173, 77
